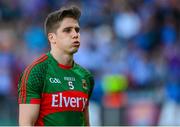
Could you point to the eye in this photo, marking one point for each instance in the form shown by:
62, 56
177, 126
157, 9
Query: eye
67, 30
77, 29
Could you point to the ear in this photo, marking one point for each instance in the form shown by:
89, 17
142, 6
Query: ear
52, 38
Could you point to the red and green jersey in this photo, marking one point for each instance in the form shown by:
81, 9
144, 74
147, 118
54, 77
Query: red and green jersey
62, 92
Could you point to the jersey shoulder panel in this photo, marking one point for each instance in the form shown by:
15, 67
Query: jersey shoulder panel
31, 82
40, 65
83, 71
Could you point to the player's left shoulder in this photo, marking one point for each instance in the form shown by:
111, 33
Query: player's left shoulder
87, 78
83, 71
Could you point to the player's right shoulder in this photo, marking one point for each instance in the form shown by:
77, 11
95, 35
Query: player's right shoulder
32, 79
39, 64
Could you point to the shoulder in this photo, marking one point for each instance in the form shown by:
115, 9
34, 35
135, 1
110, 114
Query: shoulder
34, 73
38, 65
82, 71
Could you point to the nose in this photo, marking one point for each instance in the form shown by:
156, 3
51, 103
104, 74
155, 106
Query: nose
75, 34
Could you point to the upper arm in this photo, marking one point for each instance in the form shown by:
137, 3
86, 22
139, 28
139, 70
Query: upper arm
86, 113
28, 114
91, 80
29, 96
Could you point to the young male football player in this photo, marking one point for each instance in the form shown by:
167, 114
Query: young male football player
54, 90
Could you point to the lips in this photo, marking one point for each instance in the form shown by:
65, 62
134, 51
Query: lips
76, 43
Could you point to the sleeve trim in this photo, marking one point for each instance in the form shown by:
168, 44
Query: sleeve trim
32, 101
35, 101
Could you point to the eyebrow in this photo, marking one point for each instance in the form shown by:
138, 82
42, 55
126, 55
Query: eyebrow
71, 27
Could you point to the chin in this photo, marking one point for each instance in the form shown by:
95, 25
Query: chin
73, 51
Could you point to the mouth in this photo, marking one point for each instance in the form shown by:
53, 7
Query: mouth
76, 44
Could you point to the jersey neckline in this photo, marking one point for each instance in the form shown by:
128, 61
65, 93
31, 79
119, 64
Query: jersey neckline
66, 67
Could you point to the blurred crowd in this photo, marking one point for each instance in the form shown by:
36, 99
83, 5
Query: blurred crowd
132, 47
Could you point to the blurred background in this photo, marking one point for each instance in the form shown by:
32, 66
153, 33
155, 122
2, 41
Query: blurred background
132, 47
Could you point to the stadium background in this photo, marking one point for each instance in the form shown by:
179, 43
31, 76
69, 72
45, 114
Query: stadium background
132, 47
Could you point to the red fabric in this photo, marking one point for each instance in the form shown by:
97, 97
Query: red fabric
35, 101
47, 108
64, 66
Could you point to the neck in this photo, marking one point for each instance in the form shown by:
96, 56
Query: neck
62, 58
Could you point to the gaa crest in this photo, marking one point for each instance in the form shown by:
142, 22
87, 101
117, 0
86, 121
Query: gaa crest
84, 84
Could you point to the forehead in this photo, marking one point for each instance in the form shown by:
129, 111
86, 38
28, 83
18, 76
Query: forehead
68, 22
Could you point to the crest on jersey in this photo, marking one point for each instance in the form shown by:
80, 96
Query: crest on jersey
84, 84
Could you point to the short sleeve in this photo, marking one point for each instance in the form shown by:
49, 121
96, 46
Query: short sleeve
30, 86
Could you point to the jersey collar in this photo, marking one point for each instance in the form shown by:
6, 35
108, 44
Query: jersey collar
60, 65
64, 66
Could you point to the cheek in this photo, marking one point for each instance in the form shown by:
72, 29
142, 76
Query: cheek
63, 42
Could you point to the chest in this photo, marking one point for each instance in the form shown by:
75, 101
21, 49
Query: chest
65, 90
58, 80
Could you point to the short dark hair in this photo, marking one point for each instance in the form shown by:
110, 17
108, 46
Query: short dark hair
53, 20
